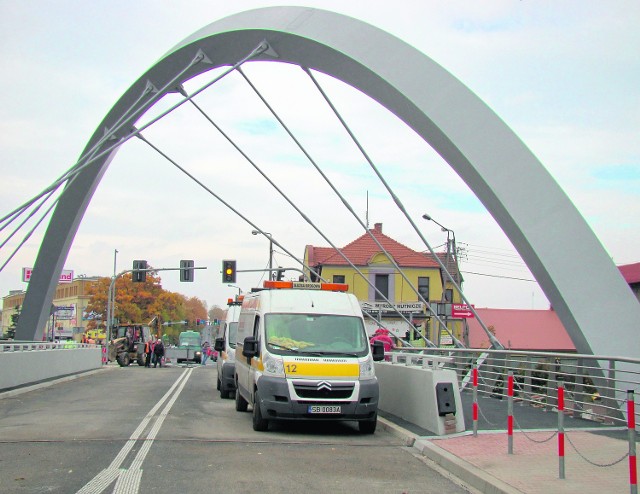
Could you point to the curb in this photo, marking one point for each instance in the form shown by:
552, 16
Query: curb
465, 471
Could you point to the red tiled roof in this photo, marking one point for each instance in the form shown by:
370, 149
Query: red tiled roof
519, 329
631, 272
362, 249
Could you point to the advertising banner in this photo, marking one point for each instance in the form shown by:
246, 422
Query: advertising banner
66, 276
66, 312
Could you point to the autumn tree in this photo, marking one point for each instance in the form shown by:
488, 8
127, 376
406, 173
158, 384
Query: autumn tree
217, 313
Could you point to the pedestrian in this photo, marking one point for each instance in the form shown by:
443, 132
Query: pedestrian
148, 350
382, 335
158, 353
205, 352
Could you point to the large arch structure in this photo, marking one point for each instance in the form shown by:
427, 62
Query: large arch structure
553, 239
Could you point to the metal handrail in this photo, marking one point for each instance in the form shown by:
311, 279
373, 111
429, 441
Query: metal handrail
30, 346
595, 385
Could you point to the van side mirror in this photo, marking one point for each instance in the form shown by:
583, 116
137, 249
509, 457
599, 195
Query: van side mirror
377, 349
218, 345
250, 347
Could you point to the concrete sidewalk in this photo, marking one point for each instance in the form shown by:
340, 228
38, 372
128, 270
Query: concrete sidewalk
484, 463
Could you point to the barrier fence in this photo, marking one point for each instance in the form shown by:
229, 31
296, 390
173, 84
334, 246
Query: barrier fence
598, 389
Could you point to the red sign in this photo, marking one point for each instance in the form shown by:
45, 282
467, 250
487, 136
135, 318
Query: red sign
462, 311
65, 277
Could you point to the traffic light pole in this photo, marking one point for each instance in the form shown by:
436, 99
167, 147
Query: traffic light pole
269, 270
110, 304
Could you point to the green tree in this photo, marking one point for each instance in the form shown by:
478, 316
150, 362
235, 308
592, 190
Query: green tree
11, 331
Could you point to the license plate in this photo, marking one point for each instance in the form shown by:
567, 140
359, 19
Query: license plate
324, 409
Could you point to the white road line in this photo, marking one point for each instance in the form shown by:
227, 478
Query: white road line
101, 481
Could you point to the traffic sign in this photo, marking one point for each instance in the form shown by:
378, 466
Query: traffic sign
461, 311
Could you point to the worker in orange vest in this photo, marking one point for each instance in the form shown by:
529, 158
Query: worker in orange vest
147, 352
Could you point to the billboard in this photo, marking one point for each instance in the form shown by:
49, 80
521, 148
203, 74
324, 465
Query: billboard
65, 277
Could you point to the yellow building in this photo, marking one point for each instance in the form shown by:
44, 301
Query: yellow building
420, 269
68, 315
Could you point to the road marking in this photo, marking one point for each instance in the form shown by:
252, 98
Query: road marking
129, 479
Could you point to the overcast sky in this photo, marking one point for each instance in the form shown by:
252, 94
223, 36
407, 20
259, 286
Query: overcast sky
565, 76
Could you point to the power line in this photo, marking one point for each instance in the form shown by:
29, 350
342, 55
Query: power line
498, 276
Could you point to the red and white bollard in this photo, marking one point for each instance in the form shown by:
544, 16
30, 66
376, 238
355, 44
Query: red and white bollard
510, 412
561, 430
631, 425
475, 400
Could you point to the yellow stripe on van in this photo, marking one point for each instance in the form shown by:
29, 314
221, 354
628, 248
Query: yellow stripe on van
321, 369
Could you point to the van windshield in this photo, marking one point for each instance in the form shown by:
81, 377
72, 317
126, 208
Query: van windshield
233, 331
315, 334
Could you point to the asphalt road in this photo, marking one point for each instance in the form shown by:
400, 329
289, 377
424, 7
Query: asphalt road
130, 430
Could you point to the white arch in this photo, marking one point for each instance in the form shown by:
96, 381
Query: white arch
553, 239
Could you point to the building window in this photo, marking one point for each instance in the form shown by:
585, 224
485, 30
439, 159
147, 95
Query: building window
382, 284
338, 278
423, 287
448, 295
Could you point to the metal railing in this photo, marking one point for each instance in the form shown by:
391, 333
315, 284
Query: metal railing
595, 386
32, 346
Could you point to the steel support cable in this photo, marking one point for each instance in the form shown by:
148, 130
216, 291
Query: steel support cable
18, 214
494, 341
77, 168
28, 235
220, 199
457, 342
349, 208
33, 212
131, 111
305, 217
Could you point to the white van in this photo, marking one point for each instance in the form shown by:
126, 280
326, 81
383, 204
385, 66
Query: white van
302, 353
225, 345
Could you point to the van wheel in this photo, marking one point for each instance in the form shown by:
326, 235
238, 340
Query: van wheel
218, 384
241, 403
224, 393
368, 426
259, 422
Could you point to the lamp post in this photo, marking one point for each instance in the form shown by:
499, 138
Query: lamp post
451, 253
239, 289
111, 300
256, 232
451, 243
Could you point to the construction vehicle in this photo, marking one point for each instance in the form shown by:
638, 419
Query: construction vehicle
128, 344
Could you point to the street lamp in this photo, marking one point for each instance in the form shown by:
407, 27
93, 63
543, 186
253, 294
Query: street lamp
451, 251
451, 242
257, 232
239, 290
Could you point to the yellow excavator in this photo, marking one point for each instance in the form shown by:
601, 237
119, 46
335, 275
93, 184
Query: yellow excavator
128, 343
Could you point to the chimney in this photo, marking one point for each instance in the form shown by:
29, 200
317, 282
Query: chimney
377, 227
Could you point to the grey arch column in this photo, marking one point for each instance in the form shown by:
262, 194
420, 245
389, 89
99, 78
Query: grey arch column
564, 255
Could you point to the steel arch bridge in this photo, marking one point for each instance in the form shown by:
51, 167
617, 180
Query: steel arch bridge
486, 154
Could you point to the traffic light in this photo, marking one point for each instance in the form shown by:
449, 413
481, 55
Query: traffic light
228, 271
137, 275
186, 270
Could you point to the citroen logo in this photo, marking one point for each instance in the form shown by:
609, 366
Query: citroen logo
324, 385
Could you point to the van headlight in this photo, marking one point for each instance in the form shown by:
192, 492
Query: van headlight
273, 366
366, 369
